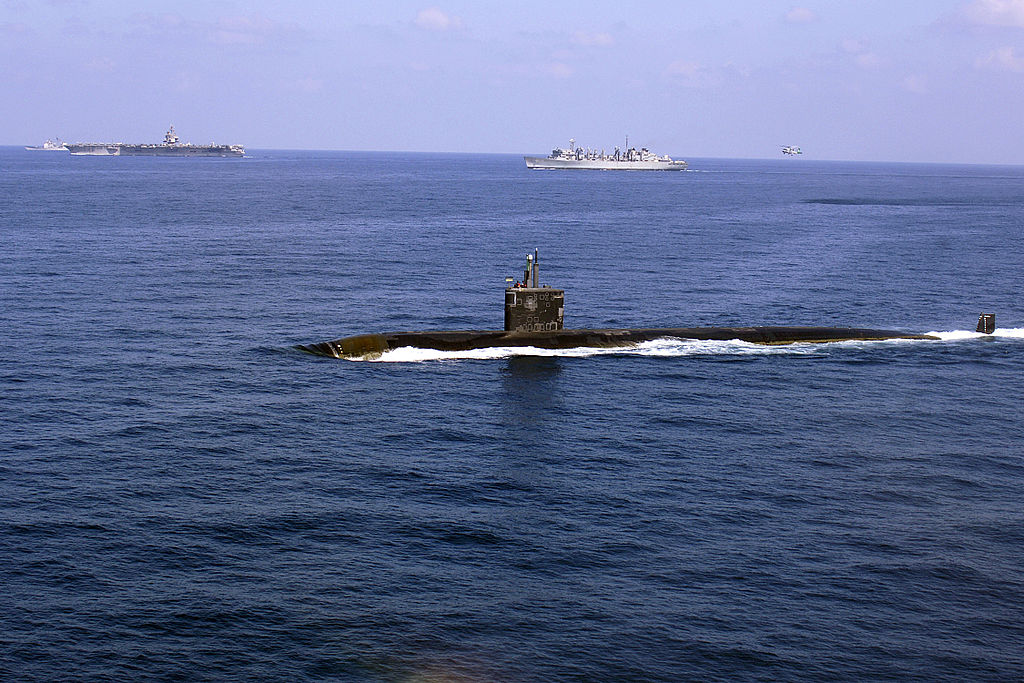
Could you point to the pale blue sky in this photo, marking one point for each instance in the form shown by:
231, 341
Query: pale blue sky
928, 80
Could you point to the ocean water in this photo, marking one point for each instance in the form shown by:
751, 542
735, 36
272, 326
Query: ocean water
185, 496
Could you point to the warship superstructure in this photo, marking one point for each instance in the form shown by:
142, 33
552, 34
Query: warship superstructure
170, 147
628, 159
49, 146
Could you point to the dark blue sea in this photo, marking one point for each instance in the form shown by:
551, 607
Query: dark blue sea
185, 496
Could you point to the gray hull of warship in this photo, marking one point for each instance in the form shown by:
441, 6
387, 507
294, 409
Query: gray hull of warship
627, 159
170, 147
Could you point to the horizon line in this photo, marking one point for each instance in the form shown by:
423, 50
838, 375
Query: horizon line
718, 158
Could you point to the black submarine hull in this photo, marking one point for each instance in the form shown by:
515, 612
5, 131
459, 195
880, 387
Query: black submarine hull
370, 345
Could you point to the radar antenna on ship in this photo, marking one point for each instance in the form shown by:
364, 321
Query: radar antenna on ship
170, 138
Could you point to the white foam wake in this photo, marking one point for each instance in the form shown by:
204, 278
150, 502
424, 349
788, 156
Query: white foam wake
672, 348
666, 347
657, 347
961, 335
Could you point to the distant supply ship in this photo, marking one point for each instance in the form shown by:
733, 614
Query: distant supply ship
49, 146
170, 147
631, 159
791, 150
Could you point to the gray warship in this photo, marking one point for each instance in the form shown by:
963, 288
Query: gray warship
49, 146
170, 147
628, 159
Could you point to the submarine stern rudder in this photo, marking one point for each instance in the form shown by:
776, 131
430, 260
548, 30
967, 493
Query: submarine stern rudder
986, 323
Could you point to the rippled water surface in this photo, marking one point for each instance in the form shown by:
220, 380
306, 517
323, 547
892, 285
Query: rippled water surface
184, 496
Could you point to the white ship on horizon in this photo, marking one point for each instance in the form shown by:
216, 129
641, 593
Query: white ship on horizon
54, 145
630, 159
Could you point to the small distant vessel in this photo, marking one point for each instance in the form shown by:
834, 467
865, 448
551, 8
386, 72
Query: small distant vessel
791, 150
170, 147
630, 159
49, 146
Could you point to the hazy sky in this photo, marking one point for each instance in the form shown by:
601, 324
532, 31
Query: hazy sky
925, 80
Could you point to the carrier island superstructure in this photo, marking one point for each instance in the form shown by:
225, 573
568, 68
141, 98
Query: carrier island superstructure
170, 147
627, 159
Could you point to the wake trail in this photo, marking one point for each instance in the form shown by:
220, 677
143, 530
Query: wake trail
675, 348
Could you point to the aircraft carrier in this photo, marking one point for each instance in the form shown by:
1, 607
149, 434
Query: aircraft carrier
170, 147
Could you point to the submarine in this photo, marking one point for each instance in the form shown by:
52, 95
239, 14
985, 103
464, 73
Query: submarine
534, 317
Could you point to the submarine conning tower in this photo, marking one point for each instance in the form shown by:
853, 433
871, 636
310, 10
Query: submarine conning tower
529, 307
